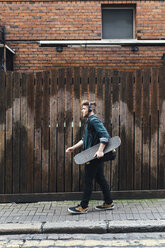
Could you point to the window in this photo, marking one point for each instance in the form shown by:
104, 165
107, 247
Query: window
6, 64
118, 23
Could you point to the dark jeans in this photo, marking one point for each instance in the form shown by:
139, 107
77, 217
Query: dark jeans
95, 170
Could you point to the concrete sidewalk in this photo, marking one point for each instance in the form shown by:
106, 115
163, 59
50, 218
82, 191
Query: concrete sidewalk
53, 217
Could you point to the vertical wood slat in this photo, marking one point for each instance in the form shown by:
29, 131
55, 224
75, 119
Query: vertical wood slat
92, 95
37, 134
99, 99
23, 136
76, 120
115, 130
100, 78
53, 131
84, 96
16, 131
138, 131
92, 76
126, 131
146, 132
30, 131
84, 83
154, 129
130, 130
108, 107
107, 116
60, 143
161, 173
45, 132
2, 131
68, 129
123, 132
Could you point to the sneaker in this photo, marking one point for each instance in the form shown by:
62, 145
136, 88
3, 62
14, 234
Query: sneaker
77, 210
105, 206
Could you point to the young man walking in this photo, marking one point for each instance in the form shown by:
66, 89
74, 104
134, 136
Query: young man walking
94, 133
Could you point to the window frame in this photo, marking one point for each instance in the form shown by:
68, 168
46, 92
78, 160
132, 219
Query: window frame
119, 7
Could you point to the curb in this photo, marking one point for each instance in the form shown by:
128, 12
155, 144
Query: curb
136, 226
76, 227
70, 227
20, 228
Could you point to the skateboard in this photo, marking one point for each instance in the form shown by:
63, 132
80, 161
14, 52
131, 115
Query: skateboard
109, 152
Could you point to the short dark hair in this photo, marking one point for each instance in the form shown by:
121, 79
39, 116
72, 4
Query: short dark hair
92, 104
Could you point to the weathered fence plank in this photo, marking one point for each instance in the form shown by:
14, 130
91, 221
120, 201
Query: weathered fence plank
130, 129
161, 173
38, 134
16, 131
53, 131
60, 144
30, 132
115, 130
76, 128
45, 132
92, 85
154, 128
68, 129
107, 103
100, 78
123, 132
107, 118
138, 131
23, 135
99, 99
84, 96
146, 131
2, 131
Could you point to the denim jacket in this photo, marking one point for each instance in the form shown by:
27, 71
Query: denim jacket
94, 132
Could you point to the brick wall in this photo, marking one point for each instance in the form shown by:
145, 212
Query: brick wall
28, 22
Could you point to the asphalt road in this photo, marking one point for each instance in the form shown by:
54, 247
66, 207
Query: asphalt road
149, 240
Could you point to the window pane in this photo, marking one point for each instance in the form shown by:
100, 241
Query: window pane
9, 60
1, 58
117, 23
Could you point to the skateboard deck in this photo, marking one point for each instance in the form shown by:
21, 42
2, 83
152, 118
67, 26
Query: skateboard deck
88, 154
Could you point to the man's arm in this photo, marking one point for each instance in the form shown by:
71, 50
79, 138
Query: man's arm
72, 148
101, 147
101, 130
103, 136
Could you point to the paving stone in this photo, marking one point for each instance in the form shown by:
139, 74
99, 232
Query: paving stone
35, 218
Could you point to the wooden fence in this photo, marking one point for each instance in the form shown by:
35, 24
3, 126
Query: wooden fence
40, 117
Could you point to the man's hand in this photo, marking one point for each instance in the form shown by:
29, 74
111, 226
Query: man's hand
69, 149
99, 154
72, 148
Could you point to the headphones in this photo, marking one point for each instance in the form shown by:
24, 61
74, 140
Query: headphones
89, 108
